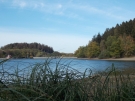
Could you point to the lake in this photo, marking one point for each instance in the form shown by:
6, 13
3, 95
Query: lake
78, 64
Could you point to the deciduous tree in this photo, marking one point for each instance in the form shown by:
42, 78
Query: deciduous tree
113, 46
93, 49
127, 45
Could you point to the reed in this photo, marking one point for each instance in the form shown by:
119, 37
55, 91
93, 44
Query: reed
44, 83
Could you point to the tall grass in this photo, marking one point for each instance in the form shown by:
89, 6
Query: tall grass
44, 83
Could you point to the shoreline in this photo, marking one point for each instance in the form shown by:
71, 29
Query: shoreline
112, 59
108, 59
121, 59
53, 57
2, 58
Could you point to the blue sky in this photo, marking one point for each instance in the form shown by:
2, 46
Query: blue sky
62, 24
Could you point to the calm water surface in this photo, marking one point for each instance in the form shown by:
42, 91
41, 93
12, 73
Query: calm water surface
79, 64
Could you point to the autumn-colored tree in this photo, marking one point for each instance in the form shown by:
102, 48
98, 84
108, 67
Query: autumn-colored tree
93, 49
127, 45
115, 42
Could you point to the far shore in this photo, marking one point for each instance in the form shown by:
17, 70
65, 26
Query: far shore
53, 57
118, 59
109, 59
2, 58
113, 59
122, 59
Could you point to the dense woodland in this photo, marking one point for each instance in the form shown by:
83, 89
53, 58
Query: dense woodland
25, 50
115, 42
30, 50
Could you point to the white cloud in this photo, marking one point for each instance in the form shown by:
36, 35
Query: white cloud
67, 9
106, 12
59, 6
72, 10
20, 3
40, 5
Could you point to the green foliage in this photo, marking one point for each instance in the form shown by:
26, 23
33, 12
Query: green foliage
20, 53
104, 54
25, 50
81, 52
119, 41
93, 49
67, 54
38, 46
127, 45
97, 38
102, 45
113, 46
2, 53
115, 49
39, 54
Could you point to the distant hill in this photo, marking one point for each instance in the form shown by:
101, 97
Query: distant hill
115, 42
25, 50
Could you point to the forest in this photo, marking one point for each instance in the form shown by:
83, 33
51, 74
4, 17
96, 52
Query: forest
115, 42
25, 50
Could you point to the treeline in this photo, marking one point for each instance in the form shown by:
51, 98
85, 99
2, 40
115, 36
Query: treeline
34, 45
115, 42
25, 50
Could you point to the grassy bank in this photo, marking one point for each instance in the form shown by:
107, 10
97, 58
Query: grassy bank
42, 83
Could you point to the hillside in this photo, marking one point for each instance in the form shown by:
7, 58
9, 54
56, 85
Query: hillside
25, 50
115, 42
